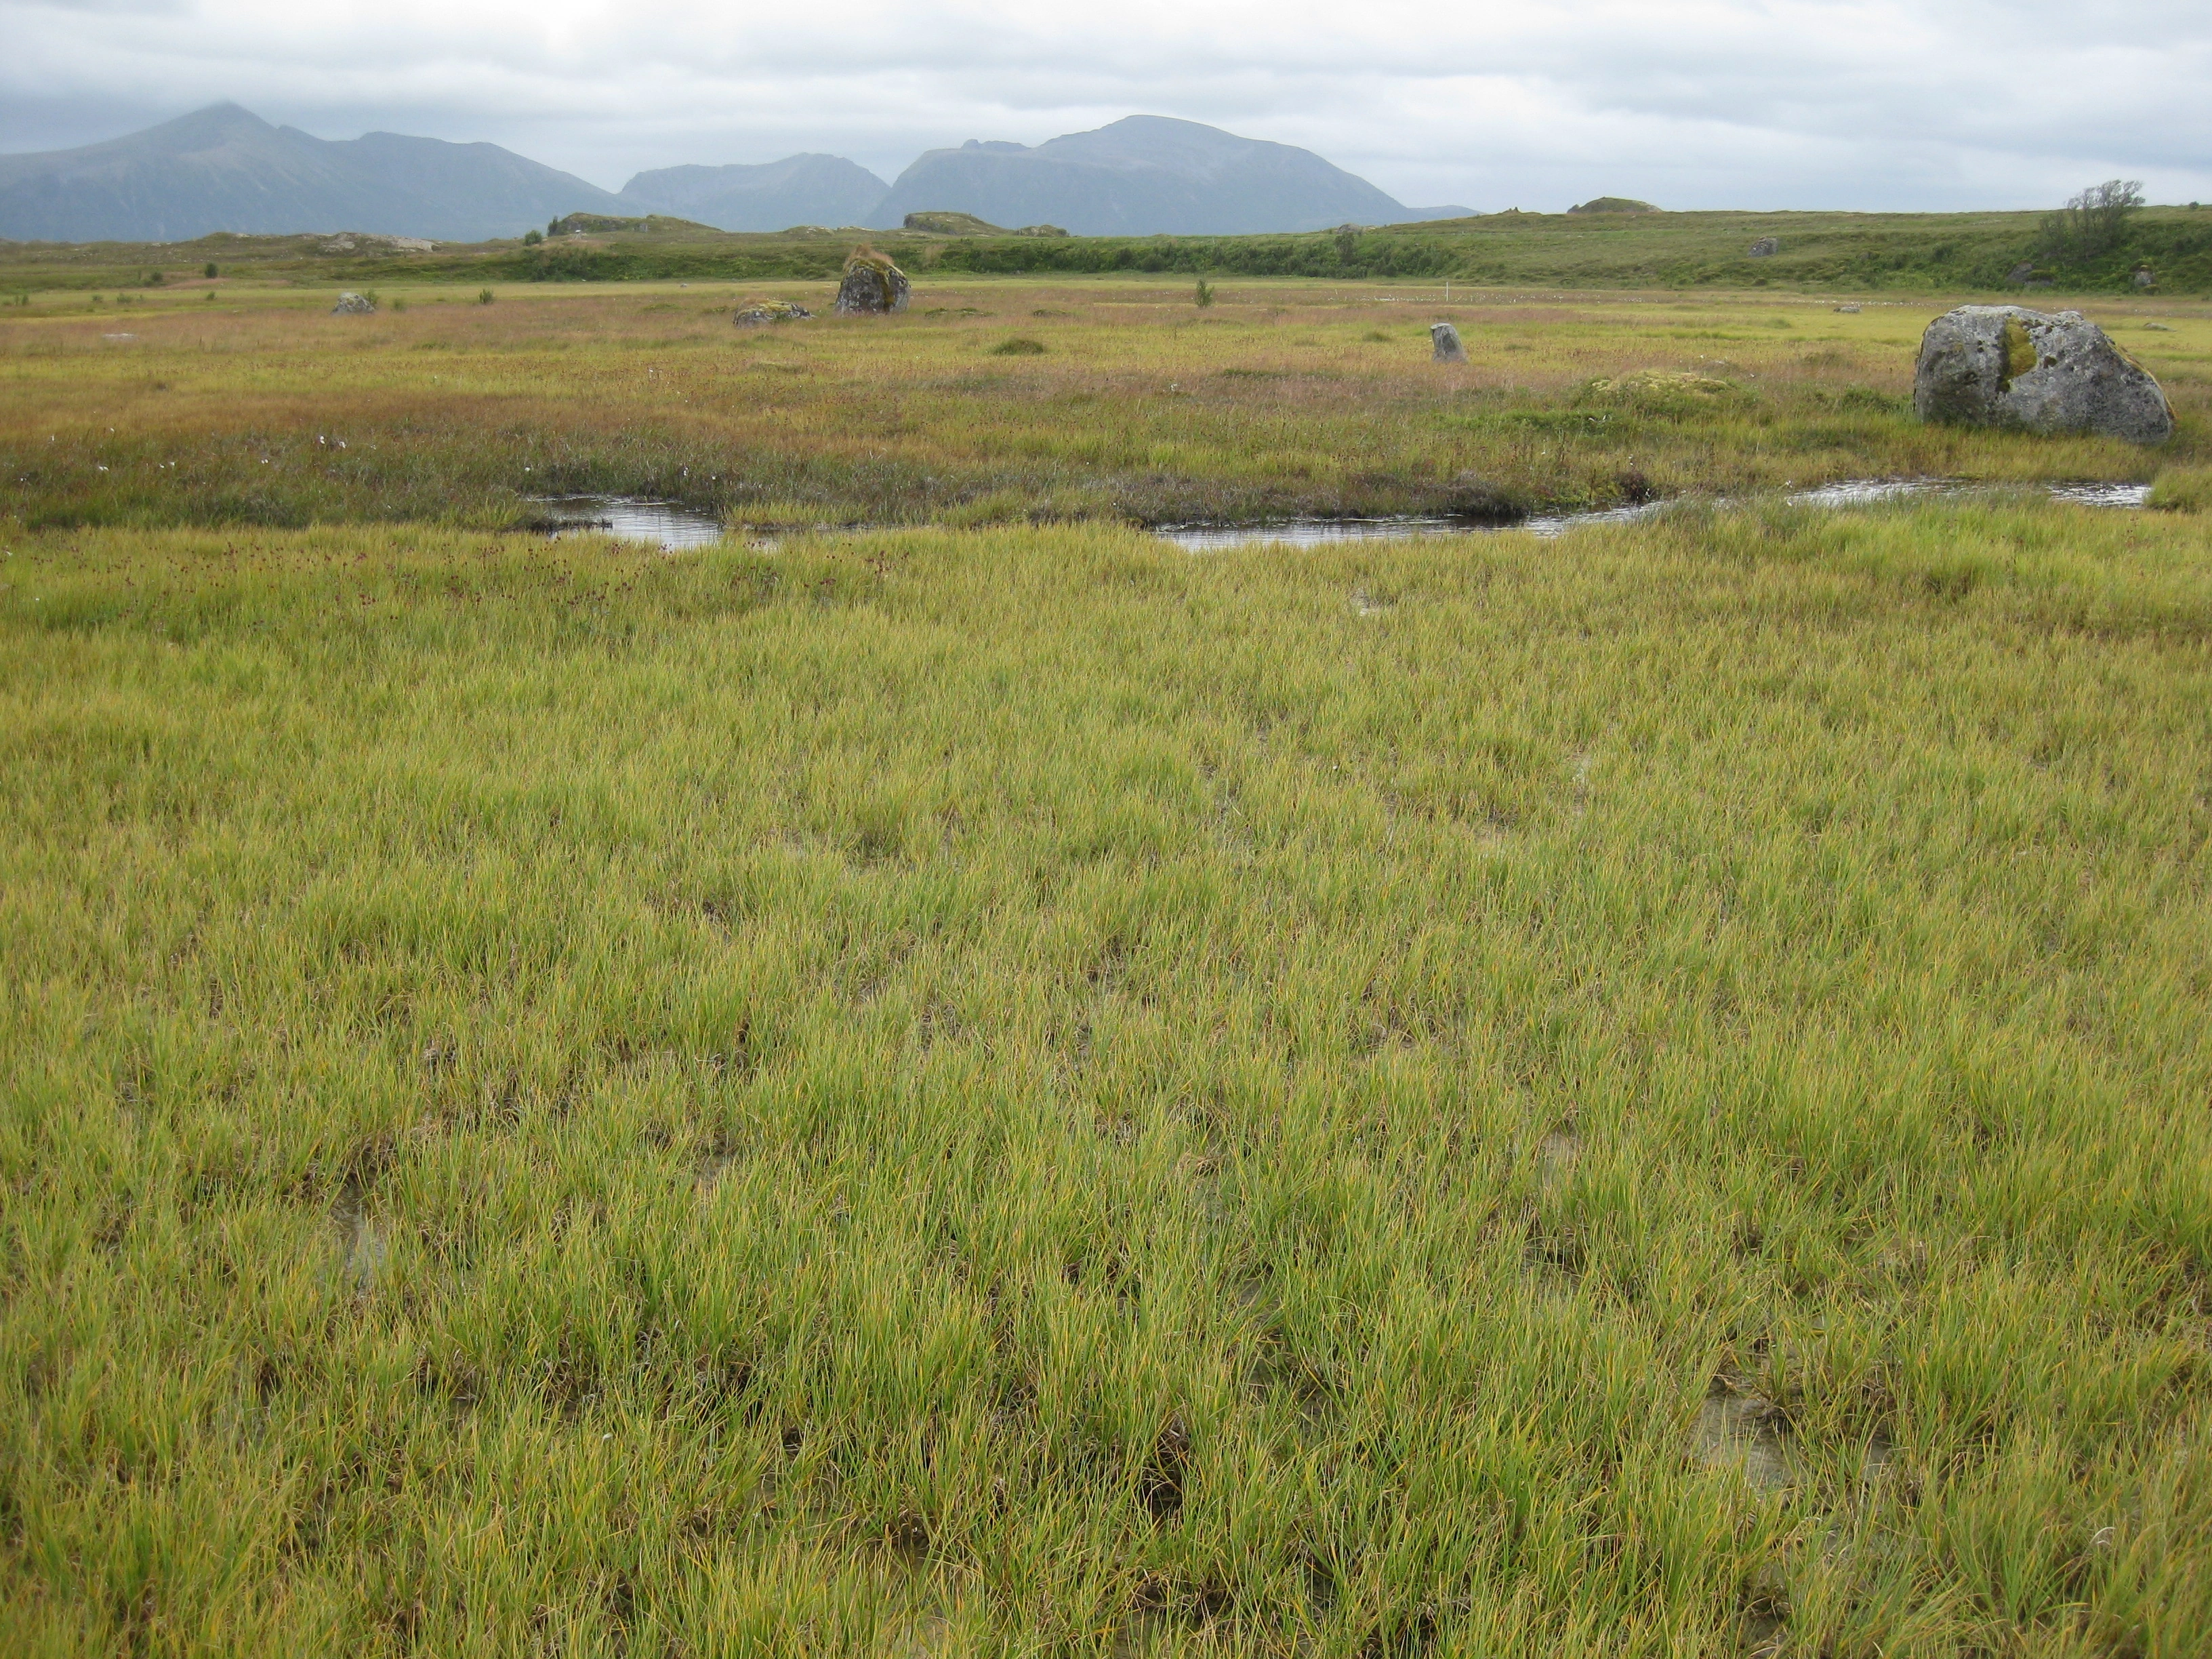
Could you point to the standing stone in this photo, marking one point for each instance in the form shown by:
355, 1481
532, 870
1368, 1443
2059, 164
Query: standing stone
872, 285
1445, 338
2006, 366
1766, 247
352, 305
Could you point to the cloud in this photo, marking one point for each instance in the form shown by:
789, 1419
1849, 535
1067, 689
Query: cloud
1874, 104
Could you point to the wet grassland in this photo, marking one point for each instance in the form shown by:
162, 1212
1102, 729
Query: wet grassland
1002, 1087
993, 401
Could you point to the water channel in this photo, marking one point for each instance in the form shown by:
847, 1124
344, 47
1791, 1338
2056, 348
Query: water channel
672, 528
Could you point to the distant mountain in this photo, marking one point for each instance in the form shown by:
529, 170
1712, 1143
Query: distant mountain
224, 168
1142, 175
799, 189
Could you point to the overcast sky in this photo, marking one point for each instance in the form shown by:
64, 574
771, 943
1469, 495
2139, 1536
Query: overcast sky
1902, 104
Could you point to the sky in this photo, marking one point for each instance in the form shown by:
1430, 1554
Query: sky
1756, 104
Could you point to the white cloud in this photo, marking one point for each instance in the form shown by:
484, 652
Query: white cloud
1697, 103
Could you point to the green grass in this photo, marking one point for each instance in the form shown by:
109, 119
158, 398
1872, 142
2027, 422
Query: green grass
1870, 252
1022, 1092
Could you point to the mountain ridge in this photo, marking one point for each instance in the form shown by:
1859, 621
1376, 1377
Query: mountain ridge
224, 168
1142, 175
806, 188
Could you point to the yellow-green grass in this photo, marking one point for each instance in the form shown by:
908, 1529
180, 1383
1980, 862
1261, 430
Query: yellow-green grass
1287, 396
1020, 1091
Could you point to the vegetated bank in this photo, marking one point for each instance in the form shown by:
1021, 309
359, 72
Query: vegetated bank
1874, 252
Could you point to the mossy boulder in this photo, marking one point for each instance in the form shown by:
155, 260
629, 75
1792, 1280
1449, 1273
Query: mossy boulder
872, 285
2047, 372
1613, 204
774, 310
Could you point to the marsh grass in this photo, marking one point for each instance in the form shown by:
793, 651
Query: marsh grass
1021, 1091
1285, 398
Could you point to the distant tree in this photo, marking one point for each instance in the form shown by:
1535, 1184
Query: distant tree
2094, 222
209, 271
532, 239
1204, 297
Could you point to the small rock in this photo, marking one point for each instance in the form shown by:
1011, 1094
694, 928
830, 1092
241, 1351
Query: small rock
2145, 276
1851, 311
2006, 366
780, 310
2021, 274
872, 285
1766, 246
1445, 338
352, 305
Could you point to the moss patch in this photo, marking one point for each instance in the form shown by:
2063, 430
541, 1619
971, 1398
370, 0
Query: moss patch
2020, 355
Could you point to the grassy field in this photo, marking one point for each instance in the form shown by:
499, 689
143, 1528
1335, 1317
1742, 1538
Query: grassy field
1019, 1092
994, 400
943, 1077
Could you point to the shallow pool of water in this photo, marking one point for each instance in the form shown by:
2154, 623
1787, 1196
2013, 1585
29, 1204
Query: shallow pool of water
663, 524
1854, 492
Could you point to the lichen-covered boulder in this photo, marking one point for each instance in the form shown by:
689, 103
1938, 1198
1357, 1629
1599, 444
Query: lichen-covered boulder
872, 285
1445, 338
775, 310
352, 305
2043, 372
1767, 247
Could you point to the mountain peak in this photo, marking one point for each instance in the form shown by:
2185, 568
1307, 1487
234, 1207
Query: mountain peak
1142, 175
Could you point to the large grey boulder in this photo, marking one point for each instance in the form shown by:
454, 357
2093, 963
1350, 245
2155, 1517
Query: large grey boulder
872, 285
2044, 372
1445, 338
352, 305
1767, 247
